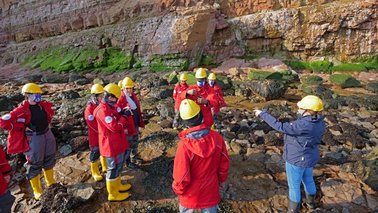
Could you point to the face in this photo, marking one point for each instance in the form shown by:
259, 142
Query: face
34, 98
113, 99
129, 90
201, 82
182, 82
100, 97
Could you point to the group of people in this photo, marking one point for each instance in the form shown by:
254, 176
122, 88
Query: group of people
114, 118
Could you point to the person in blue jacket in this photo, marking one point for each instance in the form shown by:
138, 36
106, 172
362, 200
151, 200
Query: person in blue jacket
301, 153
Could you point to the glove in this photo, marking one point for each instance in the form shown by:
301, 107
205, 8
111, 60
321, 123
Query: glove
126, 112
257, 112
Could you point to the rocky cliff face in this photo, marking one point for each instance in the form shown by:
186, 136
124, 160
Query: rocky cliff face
341, 30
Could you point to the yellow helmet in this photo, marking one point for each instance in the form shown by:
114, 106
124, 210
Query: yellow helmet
127, 83
113, 89
97, 89
201, 73
188, 109
311, 102
212, 76
31, 88
120, 84
184, 77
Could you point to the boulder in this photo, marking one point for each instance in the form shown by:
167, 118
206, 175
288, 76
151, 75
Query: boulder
166, 110
173, 78
227, 66
54, 78
372, 86
272, 65
344, 81
161, 92
68, 95
268, 89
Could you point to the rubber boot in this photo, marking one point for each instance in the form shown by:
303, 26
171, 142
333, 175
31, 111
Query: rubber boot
310, 201
95, 171
122, 187
49, 176
104, 165
35, 183
113, 193
293, 207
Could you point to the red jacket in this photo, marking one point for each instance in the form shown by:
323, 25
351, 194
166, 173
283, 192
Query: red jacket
219, 98
92, 124
5, 169
122, 102
177, 94
206, 92
201, 164
16, 121
111, 133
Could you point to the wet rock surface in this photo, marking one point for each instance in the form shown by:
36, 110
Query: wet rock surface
346, 175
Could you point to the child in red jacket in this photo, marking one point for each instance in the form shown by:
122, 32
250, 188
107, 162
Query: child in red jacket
219, 103
201, 162
6, 198
97, 93
29, 132
179, 88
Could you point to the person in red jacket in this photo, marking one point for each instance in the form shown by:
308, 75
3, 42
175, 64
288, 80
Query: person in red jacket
129, 102
201, 163
179, 88
29, 132
218, 97
112, 141
6, 198
97, 93
202, 94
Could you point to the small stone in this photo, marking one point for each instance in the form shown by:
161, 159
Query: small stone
236, 148
84, 191
259, 133
367, 125
65, 150
335, 132
374, 133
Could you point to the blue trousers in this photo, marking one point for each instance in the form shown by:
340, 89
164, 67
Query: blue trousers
212, 209
115, 166
94, 154
297, 175
41, 154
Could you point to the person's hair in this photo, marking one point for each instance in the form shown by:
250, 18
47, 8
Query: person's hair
195, 121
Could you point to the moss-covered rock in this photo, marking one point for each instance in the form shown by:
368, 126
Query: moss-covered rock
344, 81
168, 62
315, 66
312, 80
349, 67
320, 66
64, 59
296, 65
173, 78
191, 79
261, 75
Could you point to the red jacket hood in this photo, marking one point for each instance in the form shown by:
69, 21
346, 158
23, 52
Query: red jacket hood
198, 140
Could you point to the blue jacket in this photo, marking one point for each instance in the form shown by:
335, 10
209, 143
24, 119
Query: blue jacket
301, 139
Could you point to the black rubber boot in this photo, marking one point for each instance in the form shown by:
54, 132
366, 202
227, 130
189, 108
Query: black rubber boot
293, 207
310, 201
